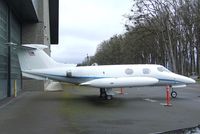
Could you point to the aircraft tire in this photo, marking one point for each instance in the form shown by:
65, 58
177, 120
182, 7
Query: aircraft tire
103, 95
173, 94
109, 97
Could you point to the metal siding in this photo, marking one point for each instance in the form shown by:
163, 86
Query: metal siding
3, 89
9, 23
3, 49
15, 37
3, 23
3, 40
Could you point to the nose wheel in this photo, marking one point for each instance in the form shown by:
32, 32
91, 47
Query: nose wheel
173, 94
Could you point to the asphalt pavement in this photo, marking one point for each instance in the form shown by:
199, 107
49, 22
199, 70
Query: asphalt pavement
79, 110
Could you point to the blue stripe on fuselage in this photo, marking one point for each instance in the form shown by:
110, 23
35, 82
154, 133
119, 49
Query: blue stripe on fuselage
87, 78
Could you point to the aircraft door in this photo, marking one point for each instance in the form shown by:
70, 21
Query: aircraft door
69, 73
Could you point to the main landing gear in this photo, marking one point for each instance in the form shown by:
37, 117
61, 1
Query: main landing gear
106, 93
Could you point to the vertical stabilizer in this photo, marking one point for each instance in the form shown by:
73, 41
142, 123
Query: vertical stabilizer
33, 57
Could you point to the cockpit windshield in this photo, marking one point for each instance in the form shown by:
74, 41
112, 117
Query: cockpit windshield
162, 69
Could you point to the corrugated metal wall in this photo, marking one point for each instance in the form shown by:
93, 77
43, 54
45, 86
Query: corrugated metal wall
10, 31
3, 49
15, 37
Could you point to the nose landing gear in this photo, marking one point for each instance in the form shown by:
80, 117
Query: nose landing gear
173, 94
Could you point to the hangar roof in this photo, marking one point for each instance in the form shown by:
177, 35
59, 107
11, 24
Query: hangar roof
26, 11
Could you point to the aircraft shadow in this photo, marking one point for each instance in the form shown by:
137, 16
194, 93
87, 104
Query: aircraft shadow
96, 101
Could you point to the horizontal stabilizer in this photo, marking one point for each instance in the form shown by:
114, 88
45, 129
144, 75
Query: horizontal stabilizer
33, 76
35, 46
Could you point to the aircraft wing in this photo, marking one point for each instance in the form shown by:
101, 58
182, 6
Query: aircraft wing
121, 82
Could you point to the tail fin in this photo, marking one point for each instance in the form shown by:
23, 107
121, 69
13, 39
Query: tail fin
32, 56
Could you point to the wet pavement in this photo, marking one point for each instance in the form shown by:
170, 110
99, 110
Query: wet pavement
79, 110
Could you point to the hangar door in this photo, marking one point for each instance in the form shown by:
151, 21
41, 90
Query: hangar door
15, 37
3, 50
10, 73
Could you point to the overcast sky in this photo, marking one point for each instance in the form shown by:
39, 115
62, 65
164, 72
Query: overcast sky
84, 24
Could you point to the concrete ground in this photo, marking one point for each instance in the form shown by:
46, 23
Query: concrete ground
78, 110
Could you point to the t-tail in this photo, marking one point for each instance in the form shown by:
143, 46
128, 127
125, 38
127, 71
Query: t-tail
32, 56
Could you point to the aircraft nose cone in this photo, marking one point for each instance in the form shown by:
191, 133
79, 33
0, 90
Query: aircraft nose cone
189, 80
185, 79
192, 81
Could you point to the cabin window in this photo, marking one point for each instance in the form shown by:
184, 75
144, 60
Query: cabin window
146, 71
129, 71
162, 69
69, 74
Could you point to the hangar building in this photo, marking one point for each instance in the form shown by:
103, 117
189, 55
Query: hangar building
23, 22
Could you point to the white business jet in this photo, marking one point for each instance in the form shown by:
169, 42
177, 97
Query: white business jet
36, 64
